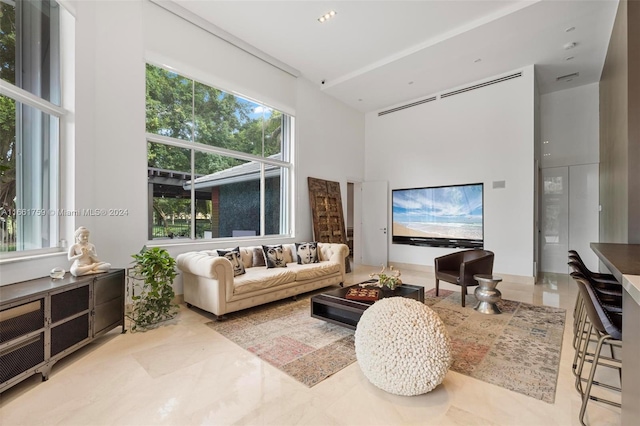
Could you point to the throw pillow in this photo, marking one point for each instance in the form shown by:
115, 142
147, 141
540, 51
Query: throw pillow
307, 253
258, 257
274, 256
235, 259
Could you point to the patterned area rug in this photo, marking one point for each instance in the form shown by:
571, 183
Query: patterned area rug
517, 350
284, 335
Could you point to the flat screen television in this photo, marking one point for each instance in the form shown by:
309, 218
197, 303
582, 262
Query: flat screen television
442, 216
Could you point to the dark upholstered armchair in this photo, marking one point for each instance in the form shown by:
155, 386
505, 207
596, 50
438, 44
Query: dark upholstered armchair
460, 267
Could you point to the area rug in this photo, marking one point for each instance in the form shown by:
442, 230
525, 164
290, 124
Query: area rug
518, 350
284, 335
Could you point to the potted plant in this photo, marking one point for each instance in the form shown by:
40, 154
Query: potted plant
153, 271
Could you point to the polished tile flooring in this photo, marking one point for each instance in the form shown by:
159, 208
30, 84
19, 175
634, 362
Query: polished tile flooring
184, 373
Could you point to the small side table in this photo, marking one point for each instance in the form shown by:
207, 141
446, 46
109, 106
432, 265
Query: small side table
487, 294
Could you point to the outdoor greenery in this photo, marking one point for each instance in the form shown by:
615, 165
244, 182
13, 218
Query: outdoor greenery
7, 123
188, 110
154, 272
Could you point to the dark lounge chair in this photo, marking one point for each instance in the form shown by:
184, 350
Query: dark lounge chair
460, 267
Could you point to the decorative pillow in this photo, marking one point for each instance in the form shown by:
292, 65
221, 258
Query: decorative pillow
227, 250
258, 257
235, 259
307, 253
274, 256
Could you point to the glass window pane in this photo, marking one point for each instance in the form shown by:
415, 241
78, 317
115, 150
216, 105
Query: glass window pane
169, 170
275, 200
8, 218
30, 47
273, 127
226, 121
228, 191
169, 104
8, 42
29, 177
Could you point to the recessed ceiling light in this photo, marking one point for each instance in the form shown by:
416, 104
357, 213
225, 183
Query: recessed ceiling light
330, 14
568, 30
570, 45
478, 60
568, 58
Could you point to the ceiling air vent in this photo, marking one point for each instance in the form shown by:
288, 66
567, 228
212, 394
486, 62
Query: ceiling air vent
567, 77
423, 101
478, 86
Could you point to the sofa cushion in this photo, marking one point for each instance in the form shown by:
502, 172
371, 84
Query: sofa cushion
246, 254
314, 270
307, 253
236, 261
261, 278
274, 256
258, 257
289, 252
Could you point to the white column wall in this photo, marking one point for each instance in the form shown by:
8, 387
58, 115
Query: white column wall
483, 135
110, 154
570, 140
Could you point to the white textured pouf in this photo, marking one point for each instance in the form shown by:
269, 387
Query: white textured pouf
402, 346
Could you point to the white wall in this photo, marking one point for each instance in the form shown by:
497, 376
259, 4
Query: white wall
484, 135
570, 123
110, 151
570, 153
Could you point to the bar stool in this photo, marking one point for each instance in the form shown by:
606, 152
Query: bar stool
607, 328
597, 276
581, 325
605, 284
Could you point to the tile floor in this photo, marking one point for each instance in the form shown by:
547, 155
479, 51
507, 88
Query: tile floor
184, 373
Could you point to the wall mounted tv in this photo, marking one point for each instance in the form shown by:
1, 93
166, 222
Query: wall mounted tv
442, 216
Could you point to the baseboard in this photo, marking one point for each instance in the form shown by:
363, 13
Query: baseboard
517, 279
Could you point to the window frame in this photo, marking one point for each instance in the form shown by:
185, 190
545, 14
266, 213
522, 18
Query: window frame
287, 195
63, 113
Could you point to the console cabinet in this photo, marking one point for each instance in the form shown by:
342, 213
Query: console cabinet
43, 320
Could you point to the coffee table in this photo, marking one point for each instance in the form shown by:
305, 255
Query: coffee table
333, 307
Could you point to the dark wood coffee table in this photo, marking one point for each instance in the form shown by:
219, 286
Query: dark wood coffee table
333, 307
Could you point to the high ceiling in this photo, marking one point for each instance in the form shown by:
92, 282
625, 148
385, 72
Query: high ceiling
378, 54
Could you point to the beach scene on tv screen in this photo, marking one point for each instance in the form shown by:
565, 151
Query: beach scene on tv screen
446, 212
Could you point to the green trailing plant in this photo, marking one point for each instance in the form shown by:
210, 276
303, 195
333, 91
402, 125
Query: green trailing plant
154, 271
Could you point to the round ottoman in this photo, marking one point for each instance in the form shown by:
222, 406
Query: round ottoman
402, 346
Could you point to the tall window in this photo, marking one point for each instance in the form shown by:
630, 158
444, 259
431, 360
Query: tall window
30, 112
218, 165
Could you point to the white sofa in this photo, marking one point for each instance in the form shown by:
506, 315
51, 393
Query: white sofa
209, 283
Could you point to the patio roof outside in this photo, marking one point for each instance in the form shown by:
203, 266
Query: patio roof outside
242, 173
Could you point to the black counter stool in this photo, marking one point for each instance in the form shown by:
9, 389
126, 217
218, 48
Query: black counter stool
607, 329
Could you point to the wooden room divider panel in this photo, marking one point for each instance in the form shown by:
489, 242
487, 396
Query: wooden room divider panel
327, 213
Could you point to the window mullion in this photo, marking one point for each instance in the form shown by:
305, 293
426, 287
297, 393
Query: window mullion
263, 209
193, 161
24, 97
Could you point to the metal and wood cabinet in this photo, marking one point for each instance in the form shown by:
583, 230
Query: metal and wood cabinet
43, 320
